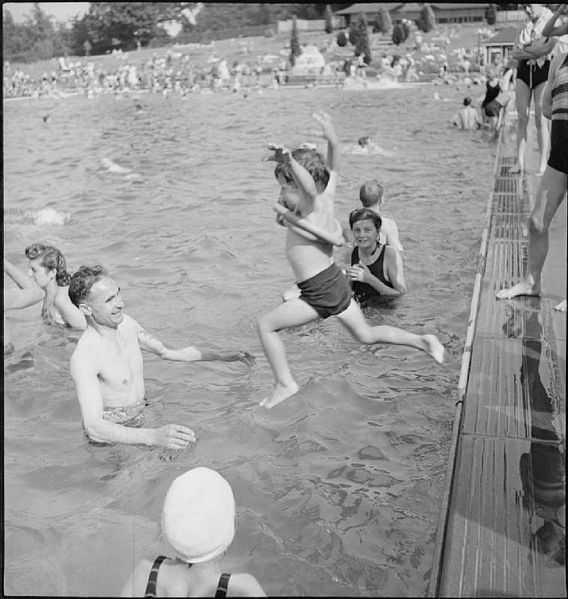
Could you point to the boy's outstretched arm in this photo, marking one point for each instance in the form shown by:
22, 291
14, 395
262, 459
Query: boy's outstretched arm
328, 130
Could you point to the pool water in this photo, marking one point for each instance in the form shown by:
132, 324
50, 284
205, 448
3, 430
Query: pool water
338, 488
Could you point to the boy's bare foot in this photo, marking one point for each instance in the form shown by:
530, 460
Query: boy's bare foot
522, 288
561, 307
281, 393
433, 347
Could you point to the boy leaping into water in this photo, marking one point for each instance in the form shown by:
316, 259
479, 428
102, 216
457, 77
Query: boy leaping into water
308, 190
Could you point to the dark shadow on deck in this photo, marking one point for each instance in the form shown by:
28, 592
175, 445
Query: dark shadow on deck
503, 527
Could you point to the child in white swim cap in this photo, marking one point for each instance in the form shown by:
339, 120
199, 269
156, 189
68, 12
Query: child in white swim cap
198, 523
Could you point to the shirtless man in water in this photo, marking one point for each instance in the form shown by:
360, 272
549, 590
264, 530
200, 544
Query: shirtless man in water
108, 371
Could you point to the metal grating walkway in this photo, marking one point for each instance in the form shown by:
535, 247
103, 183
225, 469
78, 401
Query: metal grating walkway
503, 524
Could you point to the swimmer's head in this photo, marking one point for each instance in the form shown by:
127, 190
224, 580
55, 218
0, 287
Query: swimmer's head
360, 214
364, 141
312, 161
371, 193
51, 260
83, 280
467, 101
198, 517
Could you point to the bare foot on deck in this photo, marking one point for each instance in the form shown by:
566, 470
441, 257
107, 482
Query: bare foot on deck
561, 307
280, 394
433, 347
522, 288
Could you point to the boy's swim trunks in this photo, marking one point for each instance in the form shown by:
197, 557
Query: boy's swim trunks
328, 292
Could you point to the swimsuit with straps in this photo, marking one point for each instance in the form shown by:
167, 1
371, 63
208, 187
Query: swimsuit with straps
364, 292
153, 580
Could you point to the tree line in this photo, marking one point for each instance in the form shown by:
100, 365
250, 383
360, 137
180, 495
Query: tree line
108, 26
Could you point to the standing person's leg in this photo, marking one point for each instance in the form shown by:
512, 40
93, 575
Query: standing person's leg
542, 128
352, 318
292, 313
523, 99
550, 194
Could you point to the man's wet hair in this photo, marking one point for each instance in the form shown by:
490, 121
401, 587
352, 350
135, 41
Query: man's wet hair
312, 161
371, 193
83, 280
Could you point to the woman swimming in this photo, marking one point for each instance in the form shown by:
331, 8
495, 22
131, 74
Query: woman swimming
48, 269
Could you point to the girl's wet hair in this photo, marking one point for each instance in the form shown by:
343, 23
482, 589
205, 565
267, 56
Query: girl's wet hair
312, 161
83, 280
365, 214
50, 257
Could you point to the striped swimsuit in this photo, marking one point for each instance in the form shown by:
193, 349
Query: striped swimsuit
558, 158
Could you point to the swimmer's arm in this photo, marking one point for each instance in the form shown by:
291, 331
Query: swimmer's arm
190, 353
17, 299
134, 586
304, 182
391, 234
70, 313
547, 93
308, 230
551, 28
85, 374
328, 130
20, 278
534, 50
245, 585
395, 269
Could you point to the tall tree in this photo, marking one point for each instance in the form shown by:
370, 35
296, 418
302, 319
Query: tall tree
427, 21
383, 22
491, 14
328, 19
295, 49
398, 34
362, 45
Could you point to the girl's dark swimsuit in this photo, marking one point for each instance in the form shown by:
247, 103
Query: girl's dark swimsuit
363, 291
328, 292
153, 580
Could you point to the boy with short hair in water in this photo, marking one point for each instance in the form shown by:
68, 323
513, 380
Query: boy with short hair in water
308, 190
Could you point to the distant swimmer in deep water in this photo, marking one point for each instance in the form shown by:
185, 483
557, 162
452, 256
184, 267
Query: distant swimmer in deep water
197, 527
366, 145
308, 190
27, 294
108, 371
112, 167
49, 270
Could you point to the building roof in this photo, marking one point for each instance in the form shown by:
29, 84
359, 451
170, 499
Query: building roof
367, 7
458, 5
504, 37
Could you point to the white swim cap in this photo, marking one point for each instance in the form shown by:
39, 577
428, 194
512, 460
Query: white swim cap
198, 518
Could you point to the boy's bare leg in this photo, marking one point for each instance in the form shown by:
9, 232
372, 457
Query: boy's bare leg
551, 192
292, 313
356, 324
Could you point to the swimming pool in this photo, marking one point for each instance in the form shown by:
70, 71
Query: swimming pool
338, 488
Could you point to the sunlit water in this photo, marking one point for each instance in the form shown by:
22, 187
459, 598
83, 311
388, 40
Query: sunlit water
338, 488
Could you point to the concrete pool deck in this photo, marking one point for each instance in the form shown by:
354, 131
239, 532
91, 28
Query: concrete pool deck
502, 531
